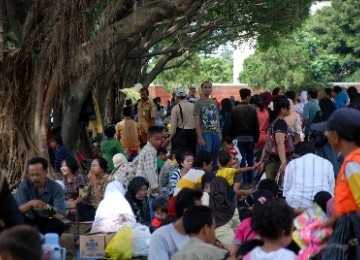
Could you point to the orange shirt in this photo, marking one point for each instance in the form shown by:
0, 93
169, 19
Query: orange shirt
347, 188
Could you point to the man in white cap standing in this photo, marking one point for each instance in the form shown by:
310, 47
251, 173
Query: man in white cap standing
183, 133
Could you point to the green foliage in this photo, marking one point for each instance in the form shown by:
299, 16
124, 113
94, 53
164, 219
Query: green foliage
326, 48
198, 69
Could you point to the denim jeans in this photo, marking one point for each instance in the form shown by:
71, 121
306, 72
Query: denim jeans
247, 152
212, 145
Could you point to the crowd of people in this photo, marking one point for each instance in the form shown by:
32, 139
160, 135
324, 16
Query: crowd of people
210, 180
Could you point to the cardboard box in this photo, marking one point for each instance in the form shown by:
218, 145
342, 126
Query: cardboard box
92, 245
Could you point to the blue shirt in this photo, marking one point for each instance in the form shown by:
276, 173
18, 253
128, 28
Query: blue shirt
310, 109
341, 99
53, 194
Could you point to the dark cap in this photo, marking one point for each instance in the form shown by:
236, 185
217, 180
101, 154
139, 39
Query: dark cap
345, 121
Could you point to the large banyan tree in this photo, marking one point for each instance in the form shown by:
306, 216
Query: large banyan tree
53, 53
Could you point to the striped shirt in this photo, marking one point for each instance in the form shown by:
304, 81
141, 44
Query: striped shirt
306, 176
174, 178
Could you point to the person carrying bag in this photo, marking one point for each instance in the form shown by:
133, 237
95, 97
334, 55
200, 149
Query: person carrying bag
183, 133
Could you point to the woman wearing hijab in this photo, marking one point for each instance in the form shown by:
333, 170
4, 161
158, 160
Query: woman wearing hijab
124, 171
113, 210
138, 199
299, 107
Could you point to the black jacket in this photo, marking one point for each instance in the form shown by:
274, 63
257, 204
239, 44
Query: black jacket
244, 121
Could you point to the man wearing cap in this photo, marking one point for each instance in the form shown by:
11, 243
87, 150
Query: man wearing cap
343, 132
182, 120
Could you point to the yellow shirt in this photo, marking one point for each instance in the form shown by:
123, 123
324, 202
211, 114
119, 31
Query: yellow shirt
128, 132
192, 180
228, 174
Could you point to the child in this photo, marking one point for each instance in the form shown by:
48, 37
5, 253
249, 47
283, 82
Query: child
199, 224
192, 179
232, 149
273, 223
160, 208
225, 169
244, 231
161, 158
147, 158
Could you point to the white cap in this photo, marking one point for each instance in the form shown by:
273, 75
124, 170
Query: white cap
180, 92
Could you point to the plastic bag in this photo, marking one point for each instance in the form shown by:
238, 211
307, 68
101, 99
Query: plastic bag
140, 240
344, 242
120, 247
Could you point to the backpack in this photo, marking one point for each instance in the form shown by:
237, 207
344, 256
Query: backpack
270, 142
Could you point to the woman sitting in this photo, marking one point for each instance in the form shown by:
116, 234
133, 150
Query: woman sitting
109, 218
124, 171
73, 181
185, 161
138, 199
93, 192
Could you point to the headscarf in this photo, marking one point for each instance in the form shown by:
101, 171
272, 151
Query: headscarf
113, 210
141, 208
124, 173
299, 107
134, 186
221, 200
119, 159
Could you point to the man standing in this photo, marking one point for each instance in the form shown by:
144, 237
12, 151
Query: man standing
245, 128
306, 176
146, 110
192, 92
341, 98
41, 199
207, 122
128, 132
310, 109
182, 120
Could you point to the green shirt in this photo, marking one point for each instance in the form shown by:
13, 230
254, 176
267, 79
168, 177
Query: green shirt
159, 162
108, 149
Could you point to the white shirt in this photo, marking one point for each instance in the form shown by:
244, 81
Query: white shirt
165, 242
258, 254
306, 176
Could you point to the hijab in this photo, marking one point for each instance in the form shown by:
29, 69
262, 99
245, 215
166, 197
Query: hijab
113, 210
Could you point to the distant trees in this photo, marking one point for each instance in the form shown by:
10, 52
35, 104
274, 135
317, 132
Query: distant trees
325, 48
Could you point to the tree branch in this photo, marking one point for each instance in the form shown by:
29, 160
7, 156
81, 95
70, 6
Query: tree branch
114, 12
3, 27
13, 19
138, 21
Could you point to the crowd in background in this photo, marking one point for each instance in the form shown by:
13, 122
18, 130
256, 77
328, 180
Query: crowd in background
211, 180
